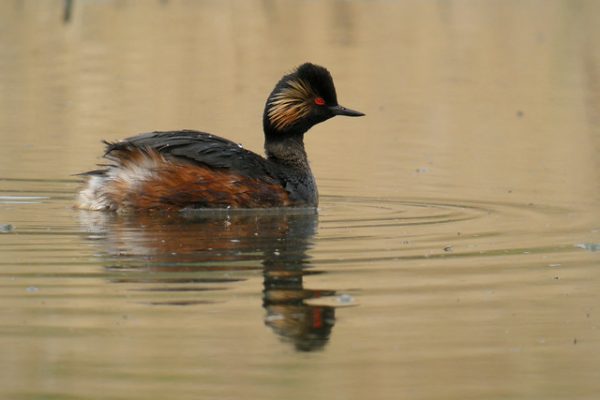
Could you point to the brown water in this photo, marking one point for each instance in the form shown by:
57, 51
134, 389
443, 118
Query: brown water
455, 254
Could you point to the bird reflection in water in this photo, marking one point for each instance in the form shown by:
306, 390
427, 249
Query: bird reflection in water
179, 251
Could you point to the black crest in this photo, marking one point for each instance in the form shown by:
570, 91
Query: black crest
320, 80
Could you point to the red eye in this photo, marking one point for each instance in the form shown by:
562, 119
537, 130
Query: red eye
319, 101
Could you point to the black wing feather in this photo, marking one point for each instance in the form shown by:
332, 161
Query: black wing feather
199, 148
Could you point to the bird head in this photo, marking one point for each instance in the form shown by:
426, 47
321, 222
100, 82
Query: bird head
302, 99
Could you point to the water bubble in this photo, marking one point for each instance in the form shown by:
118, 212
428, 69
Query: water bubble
6, 228
345, 299
589, 246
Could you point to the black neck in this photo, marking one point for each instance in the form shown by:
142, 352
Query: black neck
286, 147
287, 150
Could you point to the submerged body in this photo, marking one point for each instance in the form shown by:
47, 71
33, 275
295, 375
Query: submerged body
190, 169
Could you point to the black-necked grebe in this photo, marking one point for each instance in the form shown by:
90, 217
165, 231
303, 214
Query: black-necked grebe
190, 169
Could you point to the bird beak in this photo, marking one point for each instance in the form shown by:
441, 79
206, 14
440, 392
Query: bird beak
339, 110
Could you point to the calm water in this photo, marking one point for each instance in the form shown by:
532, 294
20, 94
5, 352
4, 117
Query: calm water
455, 254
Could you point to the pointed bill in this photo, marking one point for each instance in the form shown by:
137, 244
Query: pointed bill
340, 110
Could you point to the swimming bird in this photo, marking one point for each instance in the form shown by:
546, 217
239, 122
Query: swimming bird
186, 169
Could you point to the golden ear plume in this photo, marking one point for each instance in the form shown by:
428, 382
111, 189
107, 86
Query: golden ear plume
290, 104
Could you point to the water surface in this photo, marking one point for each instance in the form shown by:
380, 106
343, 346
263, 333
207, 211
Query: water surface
454, 254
